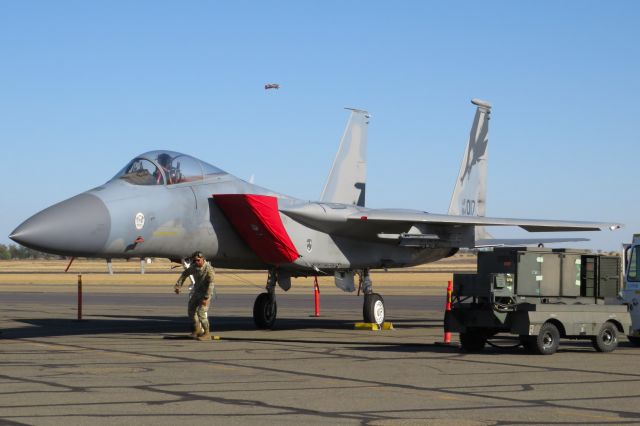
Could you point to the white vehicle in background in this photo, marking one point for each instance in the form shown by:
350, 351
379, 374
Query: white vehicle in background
630, 293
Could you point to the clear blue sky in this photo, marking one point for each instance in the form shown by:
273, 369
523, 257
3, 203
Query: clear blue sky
87, 85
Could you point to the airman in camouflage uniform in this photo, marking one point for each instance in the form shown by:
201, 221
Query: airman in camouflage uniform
200, 298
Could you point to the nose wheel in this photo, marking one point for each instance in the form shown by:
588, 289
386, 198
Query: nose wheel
265, 310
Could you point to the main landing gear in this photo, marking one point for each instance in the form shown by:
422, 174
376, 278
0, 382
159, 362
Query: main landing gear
373, 306
265, 308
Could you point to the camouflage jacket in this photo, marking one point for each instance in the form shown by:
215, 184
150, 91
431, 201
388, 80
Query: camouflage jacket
203, 276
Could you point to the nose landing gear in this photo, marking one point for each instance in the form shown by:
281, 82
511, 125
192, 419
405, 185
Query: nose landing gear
265, 308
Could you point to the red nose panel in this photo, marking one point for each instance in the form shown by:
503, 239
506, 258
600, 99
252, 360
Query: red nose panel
257, 219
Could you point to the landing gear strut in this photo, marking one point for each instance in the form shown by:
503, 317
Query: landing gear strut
265, 308
373, 306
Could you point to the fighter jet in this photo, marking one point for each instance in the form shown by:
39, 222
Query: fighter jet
166, 204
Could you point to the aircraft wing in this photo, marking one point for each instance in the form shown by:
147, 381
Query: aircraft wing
515, 242
389, 224
531, 225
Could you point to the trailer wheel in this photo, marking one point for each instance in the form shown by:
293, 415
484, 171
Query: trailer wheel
548, 339
635, 341
607, 338
473, 340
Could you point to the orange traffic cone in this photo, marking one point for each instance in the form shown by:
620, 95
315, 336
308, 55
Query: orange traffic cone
316, 296
447, 307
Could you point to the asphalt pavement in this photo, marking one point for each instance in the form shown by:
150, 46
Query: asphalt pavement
129, 361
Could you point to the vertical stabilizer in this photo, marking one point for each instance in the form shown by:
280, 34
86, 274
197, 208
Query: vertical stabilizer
469, 194
347, 179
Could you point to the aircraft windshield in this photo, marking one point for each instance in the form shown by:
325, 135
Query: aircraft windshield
160, 167
141, 172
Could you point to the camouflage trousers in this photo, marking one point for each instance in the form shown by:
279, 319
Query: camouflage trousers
198, 313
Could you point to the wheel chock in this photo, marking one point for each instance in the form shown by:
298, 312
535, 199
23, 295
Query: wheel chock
366, 326
373, 326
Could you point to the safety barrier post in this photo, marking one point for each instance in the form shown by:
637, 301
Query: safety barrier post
79, 297
316, 296
447, 307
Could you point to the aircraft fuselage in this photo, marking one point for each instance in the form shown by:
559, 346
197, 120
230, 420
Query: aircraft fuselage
124, 220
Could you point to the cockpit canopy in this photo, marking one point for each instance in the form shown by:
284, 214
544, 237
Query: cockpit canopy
166, 167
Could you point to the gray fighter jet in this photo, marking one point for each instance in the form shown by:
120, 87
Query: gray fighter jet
168, 204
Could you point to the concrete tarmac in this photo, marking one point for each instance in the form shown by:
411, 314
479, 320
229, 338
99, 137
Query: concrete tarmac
129, 362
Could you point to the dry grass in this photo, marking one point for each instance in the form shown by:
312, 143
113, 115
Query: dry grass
49, 276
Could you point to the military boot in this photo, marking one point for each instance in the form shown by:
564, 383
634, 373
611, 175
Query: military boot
205, 336
197, 331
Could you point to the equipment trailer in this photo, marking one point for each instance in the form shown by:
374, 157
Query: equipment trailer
539, 295
630, 293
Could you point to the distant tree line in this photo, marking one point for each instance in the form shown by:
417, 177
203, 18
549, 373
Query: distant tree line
13, 251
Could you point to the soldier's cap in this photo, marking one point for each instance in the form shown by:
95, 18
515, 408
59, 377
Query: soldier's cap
197, 254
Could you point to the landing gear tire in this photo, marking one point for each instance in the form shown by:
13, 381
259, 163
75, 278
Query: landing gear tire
548, 339
265, 310
373, 308
607, 338
473, 340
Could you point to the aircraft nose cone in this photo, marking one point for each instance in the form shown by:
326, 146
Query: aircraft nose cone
78, 226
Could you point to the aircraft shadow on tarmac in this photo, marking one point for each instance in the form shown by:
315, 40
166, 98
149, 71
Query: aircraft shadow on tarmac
177, 328
118, 324
51, 327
